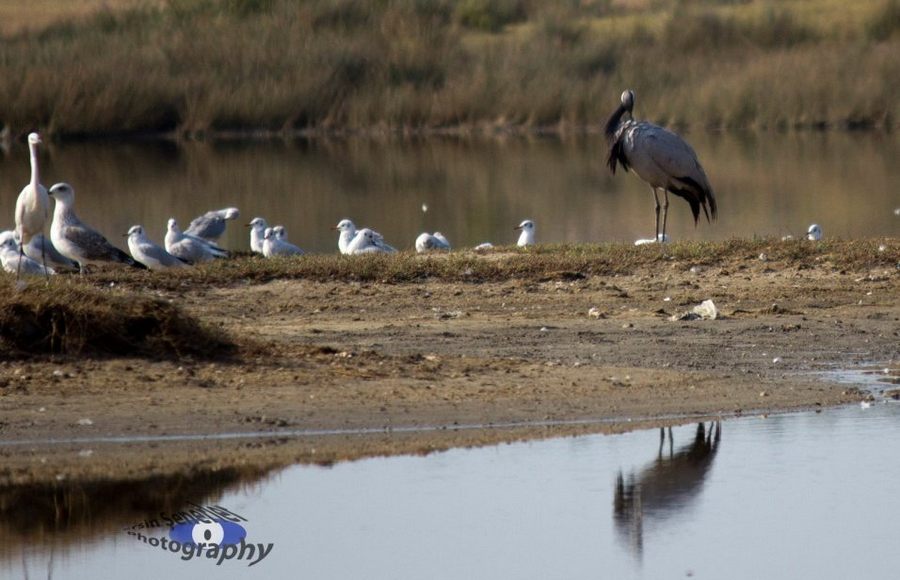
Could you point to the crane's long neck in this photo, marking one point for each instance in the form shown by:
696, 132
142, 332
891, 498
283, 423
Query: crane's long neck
35, 171
612, 125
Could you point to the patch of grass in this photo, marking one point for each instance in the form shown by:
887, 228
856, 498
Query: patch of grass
74, 318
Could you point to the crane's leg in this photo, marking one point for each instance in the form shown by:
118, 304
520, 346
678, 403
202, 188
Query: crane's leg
656, 198
44, 256
665, 215
19, 267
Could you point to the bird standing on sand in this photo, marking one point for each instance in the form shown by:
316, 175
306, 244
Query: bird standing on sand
257, 227
662, 159
152, 255
526, 238
435, 241
76, 240
190, 248
211, 225
33, 204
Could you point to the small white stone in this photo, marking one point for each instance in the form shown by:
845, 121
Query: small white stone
776, 360
85, 422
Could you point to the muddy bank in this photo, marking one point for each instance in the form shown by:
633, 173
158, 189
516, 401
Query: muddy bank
407, 363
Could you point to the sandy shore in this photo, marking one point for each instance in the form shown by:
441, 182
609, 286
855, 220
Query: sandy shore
362, 369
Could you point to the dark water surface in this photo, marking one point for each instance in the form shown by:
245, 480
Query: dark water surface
809, 495
475, 190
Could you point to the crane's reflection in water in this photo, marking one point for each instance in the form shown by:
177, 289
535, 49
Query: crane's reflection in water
664, 487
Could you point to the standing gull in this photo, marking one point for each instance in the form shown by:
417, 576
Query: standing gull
75, 239
33, 204
660, 158
189, 248
526, 238
435, 241
148, 253
257, 227
349, 234
278, 246
211, 225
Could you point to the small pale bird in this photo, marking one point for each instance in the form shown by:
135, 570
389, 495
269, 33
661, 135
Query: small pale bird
14, 262
427, 242
148, 253
273, 245
257, 227
349, 234
814, 233
211, 225
526, 238
190, 248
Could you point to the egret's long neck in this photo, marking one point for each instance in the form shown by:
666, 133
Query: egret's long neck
35, 171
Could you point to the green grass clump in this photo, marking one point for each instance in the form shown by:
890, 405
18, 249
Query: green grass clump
72, 318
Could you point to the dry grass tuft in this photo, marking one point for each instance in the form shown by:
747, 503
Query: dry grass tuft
73, 318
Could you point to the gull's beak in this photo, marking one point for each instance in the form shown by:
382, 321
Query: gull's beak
125, 235
517, 228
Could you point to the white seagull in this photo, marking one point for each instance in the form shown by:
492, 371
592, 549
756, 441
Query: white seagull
349, 234
526, 238
13, 261
148, 253
273, 245
40, 248
257, 227
367, 241
75, 239
814, 233
211, 225
190, 248
435, 241
33, 204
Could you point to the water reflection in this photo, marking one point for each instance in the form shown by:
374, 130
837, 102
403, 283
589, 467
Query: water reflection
54, 518
666, 486
475, 190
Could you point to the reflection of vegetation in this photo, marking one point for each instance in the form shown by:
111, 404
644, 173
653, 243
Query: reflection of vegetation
79, 319
237, 64
82, 510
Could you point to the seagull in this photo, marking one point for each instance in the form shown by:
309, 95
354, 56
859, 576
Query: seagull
526, 238
349, 233
190, 248
14, 261
146, 252
662, 239
278, 246
367, 241
40, 248
257, 227
483, 246
33, 204
814, 233
435, 241
76, 240
211, 225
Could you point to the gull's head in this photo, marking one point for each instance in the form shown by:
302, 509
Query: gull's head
232, 213
63, 193
278, 232
257, 222
135, 231
345, 225
526, 225
268, 234
628, 100
814, 233
8, 243
34, 139
172, 225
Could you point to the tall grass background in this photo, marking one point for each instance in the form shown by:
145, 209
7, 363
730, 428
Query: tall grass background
194, 67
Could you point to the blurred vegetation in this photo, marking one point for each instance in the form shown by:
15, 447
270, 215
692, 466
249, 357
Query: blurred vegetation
197, 66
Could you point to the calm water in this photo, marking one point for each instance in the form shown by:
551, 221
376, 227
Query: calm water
766, 183
794, 496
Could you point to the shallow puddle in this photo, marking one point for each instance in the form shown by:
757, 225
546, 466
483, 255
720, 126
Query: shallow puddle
809, 495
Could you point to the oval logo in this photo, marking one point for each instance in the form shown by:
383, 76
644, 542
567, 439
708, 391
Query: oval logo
218, 532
